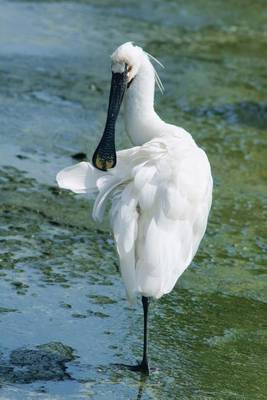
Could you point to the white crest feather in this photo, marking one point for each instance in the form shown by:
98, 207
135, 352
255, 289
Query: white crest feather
157, 78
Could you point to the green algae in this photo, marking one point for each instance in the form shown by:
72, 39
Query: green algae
59, 275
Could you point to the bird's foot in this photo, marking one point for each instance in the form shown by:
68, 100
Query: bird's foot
142, 367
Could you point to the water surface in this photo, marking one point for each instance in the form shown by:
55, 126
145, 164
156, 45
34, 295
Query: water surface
64, 319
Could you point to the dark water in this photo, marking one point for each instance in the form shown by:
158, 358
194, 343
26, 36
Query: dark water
64, 319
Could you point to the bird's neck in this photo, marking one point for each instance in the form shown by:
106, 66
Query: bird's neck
141, 121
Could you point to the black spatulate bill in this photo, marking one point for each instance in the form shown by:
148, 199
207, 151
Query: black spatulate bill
104, 157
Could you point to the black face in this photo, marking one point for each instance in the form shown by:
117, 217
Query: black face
105, 155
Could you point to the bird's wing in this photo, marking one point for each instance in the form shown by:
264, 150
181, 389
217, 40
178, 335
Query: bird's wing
159, 212
173, 191
161, 196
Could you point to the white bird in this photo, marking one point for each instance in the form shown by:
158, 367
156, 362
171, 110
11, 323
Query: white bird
161, 189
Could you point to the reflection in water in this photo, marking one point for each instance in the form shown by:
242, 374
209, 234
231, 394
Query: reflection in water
142, 384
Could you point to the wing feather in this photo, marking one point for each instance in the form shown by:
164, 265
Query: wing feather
173, 216
124, 221
79, 178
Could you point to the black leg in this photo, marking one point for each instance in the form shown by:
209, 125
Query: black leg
143, 366
144, 363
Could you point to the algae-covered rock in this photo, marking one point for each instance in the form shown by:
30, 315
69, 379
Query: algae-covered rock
45, 362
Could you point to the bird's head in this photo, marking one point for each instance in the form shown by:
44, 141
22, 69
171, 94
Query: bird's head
127, 58
125, 64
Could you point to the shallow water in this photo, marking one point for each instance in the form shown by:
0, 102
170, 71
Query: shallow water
64, 319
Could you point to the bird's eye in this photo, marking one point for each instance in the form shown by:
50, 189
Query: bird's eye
129, 68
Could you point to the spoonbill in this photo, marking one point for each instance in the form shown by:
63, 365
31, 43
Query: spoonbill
160, 189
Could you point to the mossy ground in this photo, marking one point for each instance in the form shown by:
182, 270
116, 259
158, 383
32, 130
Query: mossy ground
64, 319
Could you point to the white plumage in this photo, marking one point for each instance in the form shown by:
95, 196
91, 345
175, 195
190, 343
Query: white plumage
161, 189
